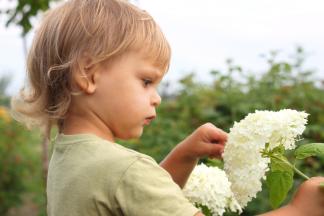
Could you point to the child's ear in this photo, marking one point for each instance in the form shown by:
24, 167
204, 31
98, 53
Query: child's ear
86, 76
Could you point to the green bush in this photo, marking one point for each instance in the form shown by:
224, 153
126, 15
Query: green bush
20, 162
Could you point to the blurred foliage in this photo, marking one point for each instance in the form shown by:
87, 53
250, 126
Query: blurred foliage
24, 11
20, 162
20, 159
4, 82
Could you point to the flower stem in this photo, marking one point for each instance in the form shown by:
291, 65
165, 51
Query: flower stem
300, 173
292, 166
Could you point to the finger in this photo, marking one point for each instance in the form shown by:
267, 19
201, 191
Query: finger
318, 181
219, 142
214, 150
214, 134
217, 136
314, 181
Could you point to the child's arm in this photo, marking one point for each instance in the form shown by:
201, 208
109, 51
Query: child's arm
178, 165
207, 140
308, 201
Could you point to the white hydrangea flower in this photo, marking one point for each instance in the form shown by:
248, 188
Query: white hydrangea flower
210, 187
243, 163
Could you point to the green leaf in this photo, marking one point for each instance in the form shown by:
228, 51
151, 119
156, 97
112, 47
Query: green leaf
205, 210
279, 183
267, 146
307, 150
279, 149
215, 163
279, 165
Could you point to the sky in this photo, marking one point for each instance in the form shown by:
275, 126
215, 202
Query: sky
204, 33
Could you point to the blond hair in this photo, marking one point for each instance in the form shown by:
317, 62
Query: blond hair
104, 29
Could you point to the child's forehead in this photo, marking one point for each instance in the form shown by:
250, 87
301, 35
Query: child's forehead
152, 68
145, 64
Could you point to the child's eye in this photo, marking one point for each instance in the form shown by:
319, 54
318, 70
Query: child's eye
147, 82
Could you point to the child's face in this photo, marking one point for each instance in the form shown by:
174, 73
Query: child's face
126, 96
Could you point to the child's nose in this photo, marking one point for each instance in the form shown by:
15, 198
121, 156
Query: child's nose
156, 99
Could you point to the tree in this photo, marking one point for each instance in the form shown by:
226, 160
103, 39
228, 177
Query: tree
24, 11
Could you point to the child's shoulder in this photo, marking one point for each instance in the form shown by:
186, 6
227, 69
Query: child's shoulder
87, 154
90, 150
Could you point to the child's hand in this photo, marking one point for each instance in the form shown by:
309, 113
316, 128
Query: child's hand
309, 199
207, 140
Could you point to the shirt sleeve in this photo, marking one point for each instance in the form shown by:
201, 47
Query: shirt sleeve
148, 189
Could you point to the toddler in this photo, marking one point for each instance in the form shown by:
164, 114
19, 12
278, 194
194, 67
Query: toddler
93, 71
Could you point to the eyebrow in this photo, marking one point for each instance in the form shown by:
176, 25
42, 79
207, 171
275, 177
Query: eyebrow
153, 73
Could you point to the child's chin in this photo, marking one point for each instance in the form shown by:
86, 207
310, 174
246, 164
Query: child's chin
135, 134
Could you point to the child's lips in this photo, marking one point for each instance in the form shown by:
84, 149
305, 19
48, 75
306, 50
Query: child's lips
148, 120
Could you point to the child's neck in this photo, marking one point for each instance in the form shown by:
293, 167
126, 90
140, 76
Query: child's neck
75, 124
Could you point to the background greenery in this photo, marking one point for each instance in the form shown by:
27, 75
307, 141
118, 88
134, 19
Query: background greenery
229, 96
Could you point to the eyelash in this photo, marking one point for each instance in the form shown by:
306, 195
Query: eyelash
147, 82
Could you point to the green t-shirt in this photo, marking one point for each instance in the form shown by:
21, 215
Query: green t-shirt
92, 176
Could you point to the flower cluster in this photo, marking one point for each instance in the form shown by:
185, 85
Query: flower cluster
209, 187
243, 162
